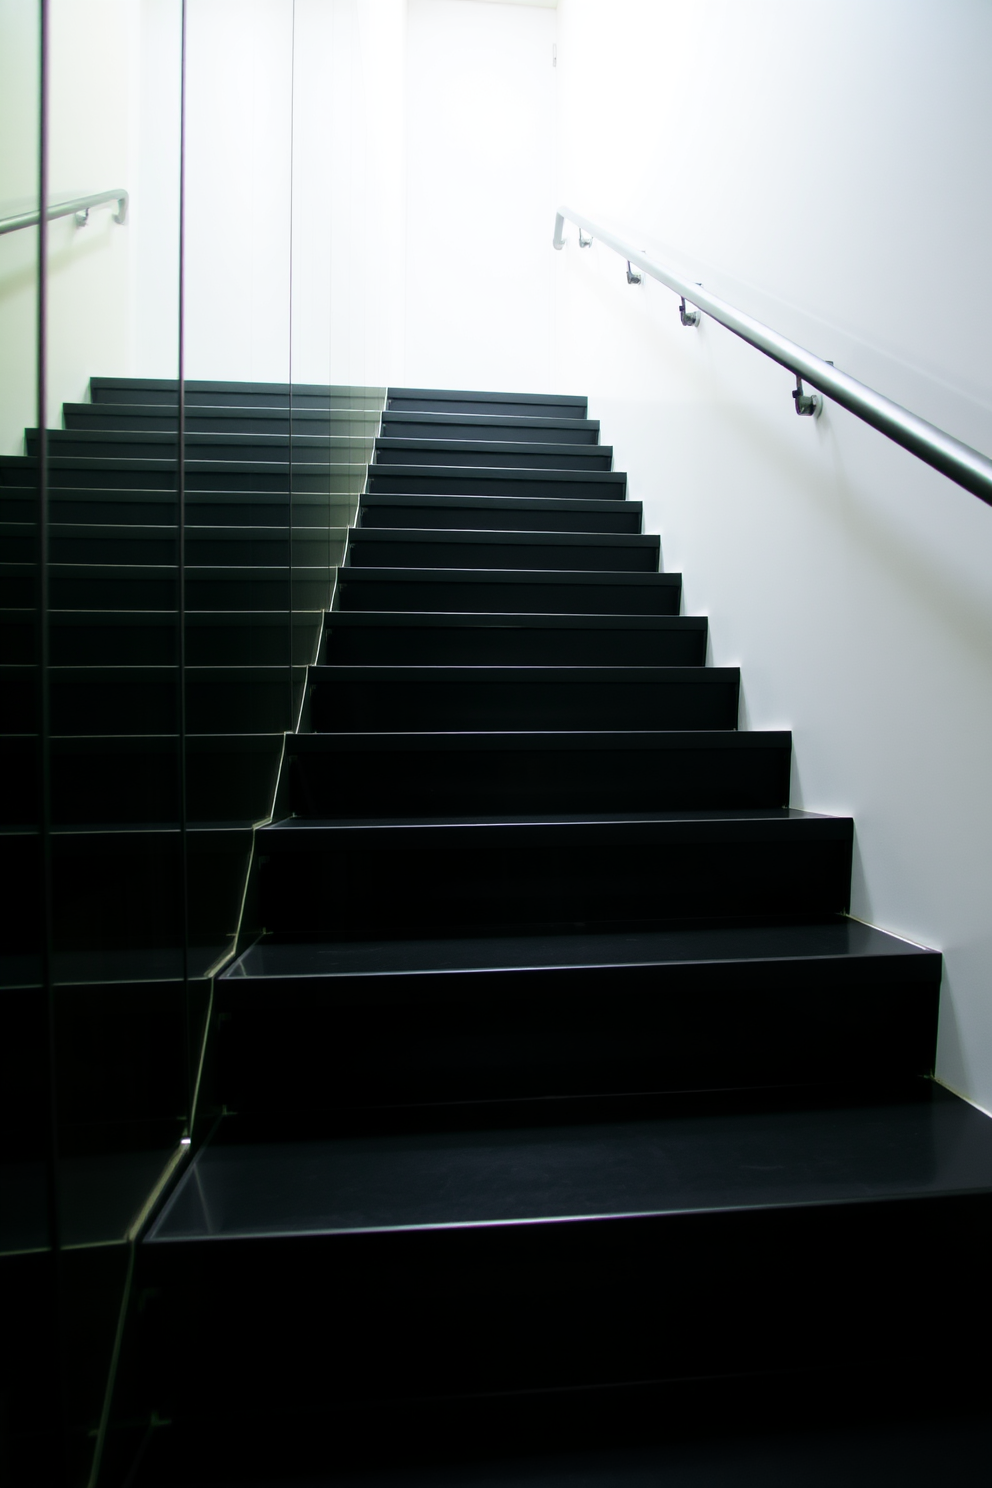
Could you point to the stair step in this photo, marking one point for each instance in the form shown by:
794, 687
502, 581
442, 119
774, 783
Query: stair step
383, 879
355, 424
366, 775
117, 901
311, 477
369, 698
386, 638
443, 480
164, 391
105, 781
84, 586
127, 508
537, 1258
216, 546
144, 699
149, 445
410, 1023
490, 426
503, 453
575, 551
502, 513
474, 590
513, 405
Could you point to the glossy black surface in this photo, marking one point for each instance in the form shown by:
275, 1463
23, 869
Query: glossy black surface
550, 1064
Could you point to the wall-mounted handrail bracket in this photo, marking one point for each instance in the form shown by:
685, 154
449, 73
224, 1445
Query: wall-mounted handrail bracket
808, 405
688, 317
78, 208
585, 239
935, 447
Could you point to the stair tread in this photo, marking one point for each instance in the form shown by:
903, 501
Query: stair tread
760, 823
704, 1162
840, 939
551, 740
495, 537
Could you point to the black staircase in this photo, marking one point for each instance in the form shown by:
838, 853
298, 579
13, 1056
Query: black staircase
556, 1095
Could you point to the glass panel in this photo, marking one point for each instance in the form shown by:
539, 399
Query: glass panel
28, 1218
120, 995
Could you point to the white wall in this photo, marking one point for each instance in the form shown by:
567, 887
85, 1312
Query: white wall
114, 121
824, 168
295, 190
480, 140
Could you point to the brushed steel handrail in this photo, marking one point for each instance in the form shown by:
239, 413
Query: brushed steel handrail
952, 457
79, 207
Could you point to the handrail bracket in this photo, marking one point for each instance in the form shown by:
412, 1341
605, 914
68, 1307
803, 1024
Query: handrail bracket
808, 405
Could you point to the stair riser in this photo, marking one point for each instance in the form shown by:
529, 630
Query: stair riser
312, 478
344, 891
131, 392
144, 703
213, 552
123, 446
366, 552
158, 509
507, 645
413, 402
441, 481
490, 783
548, 1306
98, 418
598, 457
120, 892
138, 782
346, 1044
699, 698
531, 431
487, 514
512, 596
150, 591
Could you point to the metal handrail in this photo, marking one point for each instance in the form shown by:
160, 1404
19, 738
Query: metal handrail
958, 461
79, 207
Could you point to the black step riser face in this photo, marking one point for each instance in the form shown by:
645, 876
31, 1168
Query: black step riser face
343, 891
503, 645
310, 478
394, 591
122, 419
440, 481
403, 452
234, 552
156, 509
591, 1302
515, 431
137, 591
691, 699
143, 702
367, 783
265, 449
489, 515
392, 552
135, 392
413, 402
138, 782
348, 1043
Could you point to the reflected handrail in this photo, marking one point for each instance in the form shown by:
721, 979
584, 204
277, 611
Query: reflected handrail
952, 457
78, 206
